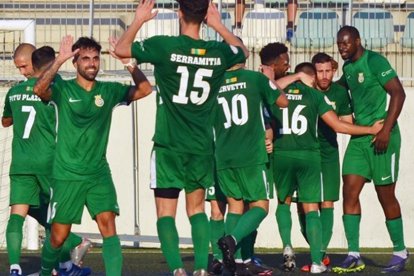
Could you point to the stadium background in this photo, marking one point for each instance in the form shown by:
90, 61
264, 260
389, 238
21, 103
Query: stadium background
387, 25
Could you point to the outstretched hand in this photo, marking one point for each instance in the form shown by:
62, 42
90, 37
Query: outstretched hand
112, 42
65, 49
144, 11
213, 17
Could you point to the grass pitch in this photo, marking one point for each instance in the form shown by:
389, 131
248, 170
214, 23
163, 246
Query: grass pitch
151, 262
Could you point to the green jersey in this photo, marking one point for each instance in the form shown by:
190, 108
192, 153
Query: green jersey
365, 78
34, 130
188, 75
239, 124
341, 104
84, 120
296, 125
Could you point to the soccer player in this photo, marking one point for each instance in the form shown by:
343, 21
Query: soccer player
34, 132
369, 78
324, 69
241, 162
80, 170
297, 157
188, 72
275, 59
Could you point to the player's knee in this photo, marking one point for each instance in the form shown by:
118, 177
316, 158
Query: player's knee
57, 240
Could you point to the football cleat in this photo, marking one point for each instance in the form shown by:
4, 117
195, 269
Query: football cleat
397, 264
227, 244
79, 252
75, 271
307, 268
216, 267
350, 264
179, 272
289, 259
318, 268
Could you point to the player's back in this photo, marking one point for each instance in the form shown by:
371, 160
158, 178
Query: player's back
33, 130
188, 74
296, 125
239, 124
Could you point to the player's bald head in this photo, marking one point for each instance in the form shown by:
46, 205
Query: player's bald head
24, 50
22, 58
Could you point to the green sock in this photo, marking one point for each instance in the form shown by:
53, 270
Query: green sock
314, 234
302, 223
232, 220
168, 235
395, 229
50, 256
248, 222
14, 237
247, 245
327, 220
216, 232
200, 233
351, 226
70, 243
112, 255
284, 222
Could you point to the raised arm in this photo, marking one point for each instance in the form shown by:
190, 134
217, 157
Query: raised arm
143, 13
142, 87
301, 76
268, 71
332, 120
396, 91
42, 86
213, 20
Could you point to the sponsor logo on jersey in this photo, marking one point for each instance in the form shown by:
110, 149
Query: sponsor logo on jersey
231, 80
294, 91
74, 100
99, 102
384, 74
361, 77
199, 52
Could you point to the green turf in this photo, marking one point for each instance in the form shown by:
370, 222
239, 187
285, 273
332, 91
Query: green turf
151, 262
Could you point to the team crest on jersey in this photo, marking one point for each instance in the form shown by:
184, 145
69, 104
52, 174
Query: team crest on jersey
99, 102
360, 77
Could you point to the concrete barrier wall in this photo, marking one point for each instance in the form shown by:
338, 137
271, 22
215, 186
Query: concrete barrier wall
120, 155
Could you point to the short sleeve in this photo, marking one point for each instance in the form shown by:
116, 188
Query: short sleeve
148, 50
324, 104
268, 89
381, 69
233, 54
7, 112
57, 87
343, 107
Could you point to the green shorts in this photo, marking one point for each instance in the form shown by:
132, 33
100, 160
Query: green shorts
247, 183
70, 197
170, 169
33, 190
214, 192
331, 180
302, 175
360, 159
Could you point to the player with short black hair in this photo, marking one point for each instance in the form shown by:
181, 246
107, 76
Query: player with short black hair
80, 170
370, 78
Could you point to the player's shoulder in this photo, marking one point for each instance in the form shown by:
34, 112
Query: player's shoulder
338, 88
